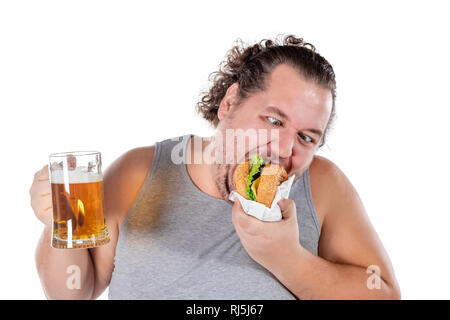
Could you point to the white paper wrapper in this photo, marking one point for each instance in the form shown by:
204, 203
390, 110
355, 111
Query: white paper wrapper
260, 211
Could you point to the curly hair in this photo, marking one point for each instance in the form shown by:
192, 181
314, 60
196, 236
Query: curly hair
248, 66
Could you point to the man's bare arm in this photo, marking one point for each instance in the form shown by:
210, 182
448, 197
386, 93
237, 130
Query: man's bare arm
55, 266
122, 182
348, 246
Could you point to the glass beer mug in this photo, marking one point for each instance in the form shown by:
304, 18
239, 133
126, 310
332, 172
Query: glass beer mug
77, 196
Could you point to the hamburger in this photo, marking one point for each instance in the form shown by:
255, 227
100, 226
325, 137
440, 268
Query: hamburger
258, 180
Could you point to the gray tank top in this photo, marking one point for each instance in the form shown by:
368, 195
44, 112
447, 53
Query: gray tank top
177, 242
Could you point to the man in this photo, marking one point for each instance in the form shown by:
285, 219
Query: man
174, 233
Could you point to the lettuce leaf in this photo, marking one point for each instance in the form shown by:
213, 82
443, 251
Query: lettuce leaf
255, 164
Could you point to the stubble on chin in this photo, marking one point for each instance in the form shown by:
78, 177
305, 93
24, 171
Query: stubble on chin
222, 173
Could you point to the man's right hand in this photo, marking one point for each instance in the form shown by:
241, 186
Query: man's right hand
122, 181
41, 196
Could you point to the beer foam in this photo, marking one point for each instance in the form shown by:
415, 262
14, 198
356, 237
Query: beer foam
74, 176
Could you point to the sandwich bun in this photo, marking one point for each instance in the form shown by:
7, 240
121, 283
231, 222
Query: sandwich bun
240, 178
272, 176
265, 187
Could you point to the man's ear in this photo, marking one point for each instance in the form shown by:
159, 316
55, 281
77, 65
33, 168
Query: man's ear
228, 101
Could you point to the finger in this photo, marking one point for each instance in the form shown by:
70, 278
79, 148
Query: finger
46, 197
39, 171
46, 210
40, 188
243, 221
40, 201
237, 212
46, 215
43, 174
42, 184
288, 208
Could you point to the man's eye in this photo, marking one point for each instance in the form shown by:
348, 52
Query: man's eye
275, 121
305, 138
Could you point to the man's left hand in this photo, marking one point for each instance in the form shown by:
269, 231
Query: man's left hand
273, 245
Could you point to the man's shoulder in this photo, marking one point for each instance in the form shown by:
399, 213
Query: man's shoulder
125, 177
327, 182
325, 170
138, 158
133, 163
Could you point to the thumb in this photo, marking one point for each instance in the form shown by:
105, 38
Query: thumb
288, 208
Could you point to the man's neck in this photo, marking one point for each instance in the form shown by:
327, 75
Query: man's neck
200, 171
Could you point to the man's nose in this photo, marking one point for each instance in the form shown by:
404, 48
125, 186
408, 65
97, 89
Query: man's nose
282, 147
286, 143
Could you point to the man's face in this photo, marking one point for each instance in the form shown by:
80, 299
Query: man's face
297, 108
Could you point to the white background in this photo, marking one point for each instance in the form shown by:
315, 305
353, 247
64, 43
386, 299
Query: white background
114, 75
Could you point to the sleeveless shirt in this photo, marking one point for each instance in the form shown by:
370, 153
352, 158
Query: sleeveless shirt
177, 242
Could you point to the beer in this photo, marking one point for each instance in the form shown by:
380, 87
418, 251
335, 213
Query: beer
78, 206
